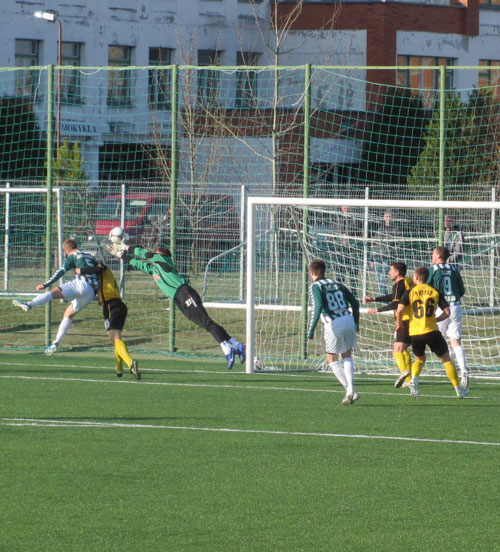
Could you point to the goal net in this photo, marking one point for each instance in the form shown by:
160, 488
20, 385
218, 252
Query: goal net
358, 239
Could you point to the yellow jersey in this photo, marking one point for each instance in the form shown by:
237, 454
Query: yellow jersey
422, 302
406, 284
108, 288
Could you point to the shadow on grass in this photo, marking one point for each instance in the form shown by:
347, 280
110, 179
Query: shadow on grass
21, 327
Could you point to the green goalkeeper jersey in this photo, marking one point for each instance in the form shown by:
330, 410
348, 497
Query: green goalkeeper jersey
447, 280
77, 259
331, 299
161, 267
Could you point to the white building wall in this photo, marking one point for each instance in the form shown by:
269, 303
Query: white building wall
183, 26
189, 25
466, 50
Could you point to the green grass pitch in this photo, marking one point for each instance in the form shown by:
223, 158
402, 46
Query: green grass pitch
194, 457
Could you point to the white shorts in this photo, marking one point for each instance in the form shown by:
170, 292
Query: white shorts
451, 328
79, 292
340, 334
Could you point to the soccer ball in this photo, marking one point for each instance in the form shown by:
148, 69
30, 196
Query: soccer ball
117, 235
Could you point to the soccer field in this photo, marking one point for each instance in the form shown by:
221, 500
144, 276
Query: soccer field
194, 457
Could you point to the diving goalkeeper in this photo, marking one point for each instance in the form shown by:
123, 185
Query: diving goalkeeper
161, 267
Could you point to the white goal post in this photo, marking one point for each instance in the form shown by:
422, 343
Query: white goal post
284, 234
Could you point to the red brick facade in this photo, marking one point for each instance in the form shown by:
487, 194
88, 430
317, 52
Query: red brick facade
381, 21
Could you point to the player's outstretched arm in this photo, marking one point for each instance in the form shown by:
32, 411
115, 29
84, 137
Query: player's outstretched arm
98, 269
57, 274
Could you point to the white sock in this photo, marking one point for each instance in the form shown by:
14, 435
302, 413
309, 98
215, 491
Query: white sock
41, 299
349, 373
64, 326
339, 372
460, 358
226, 347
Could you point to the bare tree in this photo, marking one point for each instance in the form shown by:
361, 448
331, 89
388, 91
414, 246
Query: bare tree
208, 125
199, 208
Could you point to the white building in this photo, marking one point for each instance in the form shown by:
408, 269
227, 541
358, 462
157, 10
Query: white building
118, 115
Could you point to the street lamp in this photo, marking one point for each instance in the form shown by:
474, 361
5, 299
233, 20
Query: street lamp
51, 17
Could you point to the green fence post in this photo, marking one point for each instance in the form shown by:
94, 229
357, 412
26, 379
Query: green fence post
48, 226
173, 191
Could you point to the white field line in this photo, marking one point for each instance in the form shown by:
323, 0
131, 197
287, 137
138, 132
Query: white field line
116, 381
20, 422
485, 380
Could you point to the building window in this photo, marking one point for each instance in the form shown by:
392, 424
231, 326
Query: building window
120, 82
159, 79
246, 80
70, 79
26, 56
426, 81
489, 75
495, 4
208, 80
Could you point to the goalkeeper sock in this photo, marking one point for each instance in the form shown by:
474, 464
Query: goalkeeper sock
451, 372
121, 351
416, 368
349, 373
399, 359
339, 372
460, 357
226, 347
41, 299
64, 326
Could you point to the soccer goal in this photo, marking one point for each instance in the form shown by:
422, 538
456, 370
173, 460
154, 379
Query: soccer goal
358, 239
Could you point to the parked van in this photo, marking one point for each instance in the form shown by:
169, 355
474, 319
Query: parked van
207, 222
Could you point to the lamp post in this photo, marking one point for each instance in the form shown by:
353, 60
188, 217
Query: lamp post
51, 17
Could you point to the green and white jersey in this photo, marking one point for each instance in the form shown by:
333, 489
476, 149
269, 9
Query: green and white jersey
77, 259
330, 299
447, 280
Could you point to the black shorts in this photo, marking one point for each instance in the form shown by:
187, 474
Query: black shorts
435, 340
404, 335
115, 314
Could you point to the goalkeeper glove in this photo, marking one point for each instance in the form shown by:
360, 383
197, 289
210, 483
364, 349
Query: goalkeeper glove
115, 249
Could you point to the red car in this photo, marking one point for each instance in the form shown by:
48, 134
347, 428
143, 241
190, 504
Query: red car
206, 224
